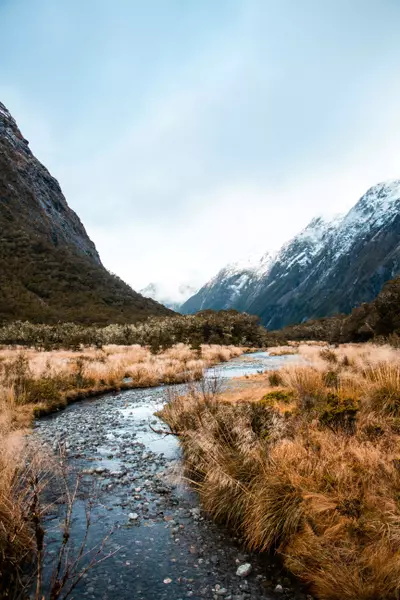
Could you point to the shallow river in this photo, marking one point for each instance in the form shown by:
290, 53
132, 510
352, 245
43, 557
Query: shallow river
166, 546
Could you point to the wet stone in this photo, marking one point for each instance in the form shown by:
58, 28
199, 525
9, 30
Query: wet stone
244, 570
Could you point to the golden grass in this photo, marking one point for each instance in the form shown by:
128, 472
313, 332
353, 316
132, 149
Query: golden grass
310, 468
33, 382
282, 350
24, 473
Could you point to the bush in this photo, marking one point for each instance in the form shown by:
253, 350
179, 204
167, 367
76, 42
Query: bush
340, 413
285, 396
42, 390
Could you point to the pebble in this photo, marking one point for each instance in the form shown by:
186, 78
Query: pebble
220, 591
244, 570
278, 589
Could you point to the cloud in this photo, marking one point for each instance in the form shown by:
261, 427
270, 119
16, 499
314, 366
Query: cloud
186, 139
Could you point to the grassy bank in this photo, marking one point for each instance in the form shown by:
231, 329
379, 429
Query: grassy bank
306, 461
35, 382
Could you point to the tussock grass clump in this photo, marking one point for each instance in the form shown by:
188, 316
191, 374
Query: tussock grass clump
329, 355
275, 378
385, 393
310, 469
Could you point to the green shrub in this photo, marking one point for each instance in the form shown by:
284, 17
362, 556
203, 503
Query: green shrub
42, 390
277, 396
339, 413
224, 327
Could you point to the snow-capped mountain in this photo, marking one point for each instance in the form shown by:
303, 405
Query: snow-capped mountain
229, 288
173, 301
329, 267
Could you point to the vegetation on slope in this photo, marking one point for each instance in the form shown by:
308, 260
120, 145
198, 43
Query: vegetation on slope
307, 463
46, 284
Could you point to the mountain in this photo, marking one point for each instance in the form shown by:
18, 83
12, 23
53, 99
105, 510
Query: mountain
174, 302
49, 268
329, 267
231, 286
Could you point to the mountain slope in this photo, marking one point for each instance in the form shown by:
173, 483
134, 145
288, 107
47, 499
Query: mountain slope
49, 268
330, 267
230, 287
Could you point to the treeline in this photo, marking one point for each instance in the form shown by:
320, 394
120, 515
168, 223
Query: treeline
207, 327
378, 320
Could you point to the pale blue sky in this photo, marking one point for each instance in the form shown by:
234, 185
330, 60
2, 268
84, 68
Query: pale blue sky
188, 133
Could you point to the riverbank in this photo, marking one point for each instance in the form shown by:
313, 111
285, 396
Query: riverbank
305, 461
34, 383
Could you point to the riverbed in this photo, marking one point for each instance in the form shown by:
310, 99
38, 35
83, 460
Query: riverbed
164, 546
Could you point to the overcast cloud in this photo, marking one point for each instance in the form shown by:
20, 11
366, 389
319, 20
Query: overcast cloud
189, 133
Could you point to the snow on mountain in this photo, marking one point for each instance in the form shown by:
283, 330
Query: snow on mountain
331, 266
230, 285
302, 249
379, 206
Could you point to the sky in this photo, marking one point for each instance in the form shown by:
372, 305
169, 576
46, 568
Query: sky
188, 134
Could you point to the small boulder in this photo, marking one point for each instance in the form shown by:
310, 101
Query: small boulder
243, 570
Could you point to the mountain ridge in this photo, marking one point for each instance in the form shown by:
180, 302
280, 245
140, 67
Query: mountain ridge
331, 266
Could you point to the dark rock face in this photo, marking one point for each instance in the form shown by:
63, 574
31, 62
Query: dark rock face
49, 268
25, 180
330, 267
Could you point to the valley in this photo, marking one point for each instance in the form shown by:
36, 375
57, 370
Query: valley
239, 442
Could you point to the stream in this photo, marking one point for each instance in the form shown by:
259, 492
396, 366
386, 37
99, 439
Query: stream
165, 546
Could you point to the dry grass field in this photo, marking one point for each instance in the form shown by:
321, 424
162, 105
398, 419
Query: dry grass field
305, 461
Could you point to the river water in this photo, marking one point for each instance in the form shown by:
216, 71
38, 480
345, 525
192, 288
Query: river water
165, 546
